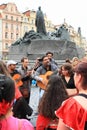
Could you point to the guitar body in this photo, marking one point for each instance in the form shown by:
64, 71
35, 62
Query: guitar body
46, 78
17, 79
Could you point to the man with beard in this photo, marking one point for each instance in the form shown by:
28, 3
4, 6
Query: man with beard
43, 72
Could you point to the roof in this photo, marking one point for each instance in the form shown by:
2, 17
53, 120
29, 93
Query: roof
27, 13
3, 6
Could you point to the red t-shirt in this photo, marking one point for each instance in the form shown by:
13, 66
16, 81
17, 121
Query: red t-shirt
42, 122
73, 114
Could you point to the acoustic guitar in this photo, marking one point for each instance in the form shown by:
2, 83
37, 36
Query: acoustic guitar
46, 77
17, 78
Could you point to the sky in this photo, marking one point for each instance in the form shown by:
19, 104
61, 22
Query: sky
73, 11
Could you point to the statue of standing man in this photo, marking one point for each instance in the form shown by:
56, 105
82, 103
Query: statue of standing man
39, 22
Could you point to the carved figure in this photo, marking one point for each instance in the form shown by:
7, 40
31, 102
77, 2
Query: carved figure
62, 33
39, 22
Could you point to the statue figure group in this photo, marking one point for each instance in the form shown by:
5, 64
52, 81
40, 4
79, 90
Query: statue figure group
62, 33
41, 33
39, 22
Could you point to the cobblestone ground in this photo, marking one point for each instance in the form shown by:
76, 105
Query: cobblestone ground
34, 99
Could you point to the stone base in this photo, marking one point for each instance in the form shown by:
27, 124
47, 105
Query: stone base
38, 48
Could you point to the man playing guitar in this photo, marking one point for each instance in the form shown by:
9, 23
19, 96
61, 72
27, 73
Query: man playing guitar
20, 109
42, 70
25, 70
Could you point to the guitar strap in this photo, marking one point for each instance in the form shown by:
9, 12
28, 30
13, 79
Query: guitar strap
82, 94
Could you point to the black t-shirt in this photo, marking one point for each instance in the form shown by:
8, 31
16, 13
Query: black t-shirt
70, 84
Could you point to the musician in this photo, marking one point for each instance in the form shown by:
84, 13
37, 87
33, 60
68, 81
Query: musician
25, 70
11, 64
20, 109
45, 67
49, 54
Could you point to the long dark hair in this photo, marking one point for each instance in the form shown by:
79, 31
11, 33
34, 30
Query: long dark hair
54, 95
7, 93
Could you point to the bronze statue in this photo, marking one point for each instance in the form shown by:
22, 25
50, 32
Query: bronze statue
39, 22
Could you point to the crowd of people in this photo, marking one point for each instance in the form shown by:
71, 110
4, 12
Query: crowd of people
62, 94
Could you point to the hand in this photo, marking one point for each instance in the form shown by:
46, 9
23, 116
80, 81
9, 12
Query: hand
44, 82
29, 73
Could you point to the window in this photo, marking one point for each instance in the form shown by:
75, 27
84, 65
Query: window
21, 18
6, 45
6, 35
32, 21
11, 17
11, 8
25, 28
12, 26
16, 19
6, 26
16, 8
6, 16
17, 36
17, 27
11, 35
32, 28
24, 19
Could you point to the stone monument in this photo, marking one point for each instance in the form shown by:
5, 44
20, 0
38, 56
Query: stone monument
36, 44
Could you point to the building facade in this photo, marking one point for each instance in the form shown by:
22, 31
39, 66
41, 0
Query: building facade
0, 36
11, 26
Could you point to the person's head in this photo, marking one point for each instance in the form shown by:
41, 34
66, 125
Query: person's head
39, 7
25, 61
68, 61
66, 69
45, 61
49, 55
11, 64
75, 61
7, 93
3, 68
54, 95
80, 76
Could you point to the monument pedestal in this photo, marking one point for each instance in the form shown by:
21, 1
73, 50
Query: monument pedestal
37, 48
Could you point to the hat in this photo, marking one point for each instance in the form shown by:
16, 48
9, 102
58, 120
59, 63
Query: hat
11, 62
